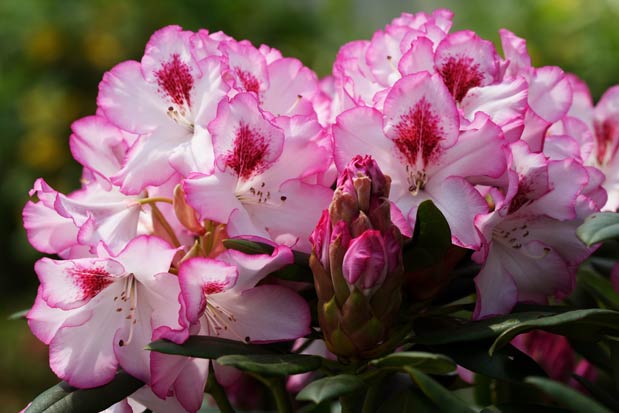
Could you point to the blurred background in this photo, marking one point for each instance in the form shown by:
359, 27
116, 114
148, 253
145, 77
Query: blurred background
53, 54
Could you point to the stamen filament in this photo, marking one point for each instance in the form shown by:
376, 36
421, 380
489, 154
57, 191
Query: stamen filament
165, 224
154, 200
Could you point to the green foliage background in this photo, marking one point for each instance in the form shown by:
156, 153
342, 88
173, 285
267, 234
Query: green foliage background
53, 54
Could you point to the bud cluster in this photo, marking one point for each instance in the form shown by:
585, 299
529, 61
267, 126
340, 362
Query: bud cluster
357, 261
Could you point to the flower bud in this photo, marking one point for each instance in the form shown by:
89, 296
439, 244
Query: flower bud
185, 214
357, 262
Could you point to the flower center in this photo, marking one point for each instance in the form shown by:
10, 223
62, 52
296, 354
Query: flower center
418, 135
460, 74
247, 158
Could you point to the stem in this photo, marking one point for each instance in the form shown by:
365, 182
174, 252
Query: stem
348, 403
165, 224
217, 391
372, 397
154, 200
281, 396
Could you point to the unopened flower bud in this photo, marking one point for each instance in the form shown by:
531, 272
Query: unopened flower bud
185, 214
358, 274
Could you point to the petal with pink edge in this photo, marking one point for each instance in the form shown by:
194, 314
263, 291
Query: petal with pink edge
200, 278
421, 118
419, 58
358, 131
515, 50
480, 153
465, 61
244, 141
550, 93
212, 196
460, 203
129, 102
44, 321
148, 160
247, 67
82, 352
265, 314
290, 83
98, 145
497, 293
283, 219
503, 102
145, 256
253, 268
71, 284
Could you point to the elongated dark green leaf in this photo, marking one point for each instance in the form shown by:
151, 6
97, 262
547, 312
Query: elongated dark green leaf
330, 387
407, 401
613, 345
599, 227
566, 396
595, 353
207, 347
272, 364
600, 288
507, 363
63, 398
474, 330
523, 408
578, 323
253, 247
431, 239
443, 398
598, 393
294, 272
427, 362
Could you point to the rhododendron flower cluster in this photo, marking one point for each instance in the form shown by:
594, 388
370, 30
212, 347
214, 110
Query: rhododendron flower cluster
209, 138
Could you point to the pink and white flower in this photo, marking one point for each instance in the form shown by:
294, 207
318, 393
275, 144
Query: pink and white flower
532, 251
97, 314
261, 162
418, 142
220, 298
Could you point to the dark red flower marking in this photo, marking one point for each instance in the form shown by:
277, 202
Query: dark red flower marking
213, 287
250, 150
90, 280
604, 134
175, 80
460, 74
419, 133
249, 81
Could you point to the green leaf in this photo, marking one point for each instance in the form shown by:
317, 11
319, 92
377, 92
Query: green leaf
431, 239
272, 364
599, 288
427, 362
595, 353
330, 387
471, 331
523, 408
589, 323
253, 247
407, 401
613, 345
63, 398
598, 393
443, 398
566, 396
507, 363
599, 227
207, 347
